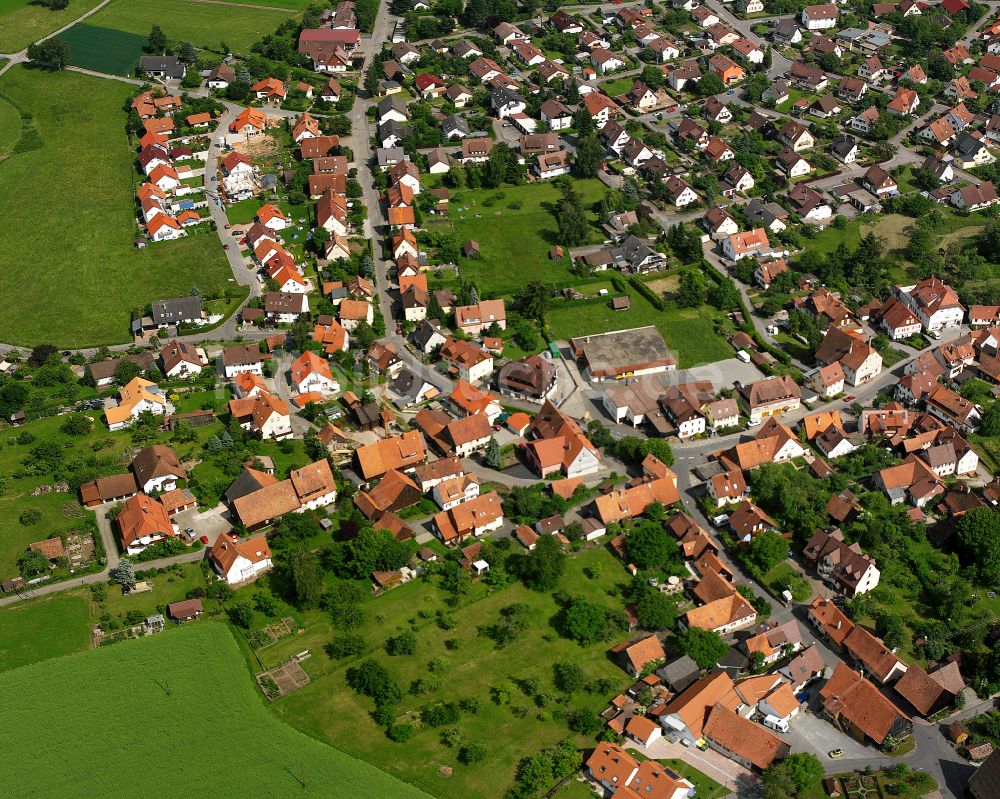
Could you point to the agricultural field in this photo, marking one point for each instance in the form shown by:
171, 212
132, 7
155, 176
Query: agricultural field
47, 628
515, 250
689, 332
328, 710
22, 23
104, 49
82, 291
203, 24
191, 688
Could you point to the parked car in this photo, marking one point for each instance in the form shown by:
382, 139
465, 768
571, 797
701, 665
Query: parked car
836, 754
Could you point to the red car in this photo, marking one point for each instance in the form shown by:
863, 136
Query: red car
672, 109
850, 398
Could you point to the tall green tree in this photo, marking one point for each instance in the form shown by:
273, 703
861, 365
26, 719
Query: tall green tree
157, 41
704, 647
51, 55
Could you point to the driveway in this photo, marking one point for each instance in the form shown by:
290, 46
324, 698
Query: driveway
209, 523
711, 763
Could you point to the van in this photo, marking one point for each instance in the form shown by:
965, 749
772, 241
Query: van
720, 520
743, 355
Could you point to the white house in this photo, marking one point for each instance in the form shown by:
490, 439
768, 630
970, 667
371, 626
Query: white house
820, 17
240, 561
309, 372
455, 490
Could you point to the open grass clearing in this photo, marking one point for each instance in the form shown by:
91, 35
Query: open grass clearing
784, 577
22, 23
70, 205
203, 24
618, 86
327, 709
190, 687
104, 49
514, 241
689, 332
47, 628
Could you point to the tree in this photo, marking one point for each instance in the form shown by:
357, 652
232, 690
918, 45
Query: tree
978, 537
123, 574
541, 568
307, 577
724, 295
375, 550
242, 614
76, 424
493, 459
767, 550
656, 611
989, 425
709, 84
472, 753
568, 677
588, 159
691, 292
533, 300
125, 370
649, 547
366, 266
585, 621
371, 679
795, 775
52, 54
402, 644
157, 41
704, 647
31, 563
187, 53
572, 224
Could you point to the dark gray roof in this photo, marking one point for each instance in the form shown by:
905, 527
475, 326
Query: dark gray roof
680, 673
245, 484
179, 309
167, 64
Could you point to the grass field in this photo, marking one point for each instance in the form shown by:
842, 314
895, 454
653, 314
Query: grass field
67, 209
10, 128
103, 49
618, 86
330, 711
49, 628
203, 24
515, 249
689, 332
22, 23
189, 690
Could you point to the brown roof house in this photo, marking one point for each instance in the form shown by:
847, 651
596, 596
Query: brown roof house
635, 656
240, 561
858, 708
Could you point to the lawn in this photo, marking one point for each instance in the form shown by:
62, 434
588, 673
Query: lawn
515, 249
618, 86
783, 577
203, 24
328, 710
47, 628
190, 688
74, 273
104, 49
689, 332
22, 23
